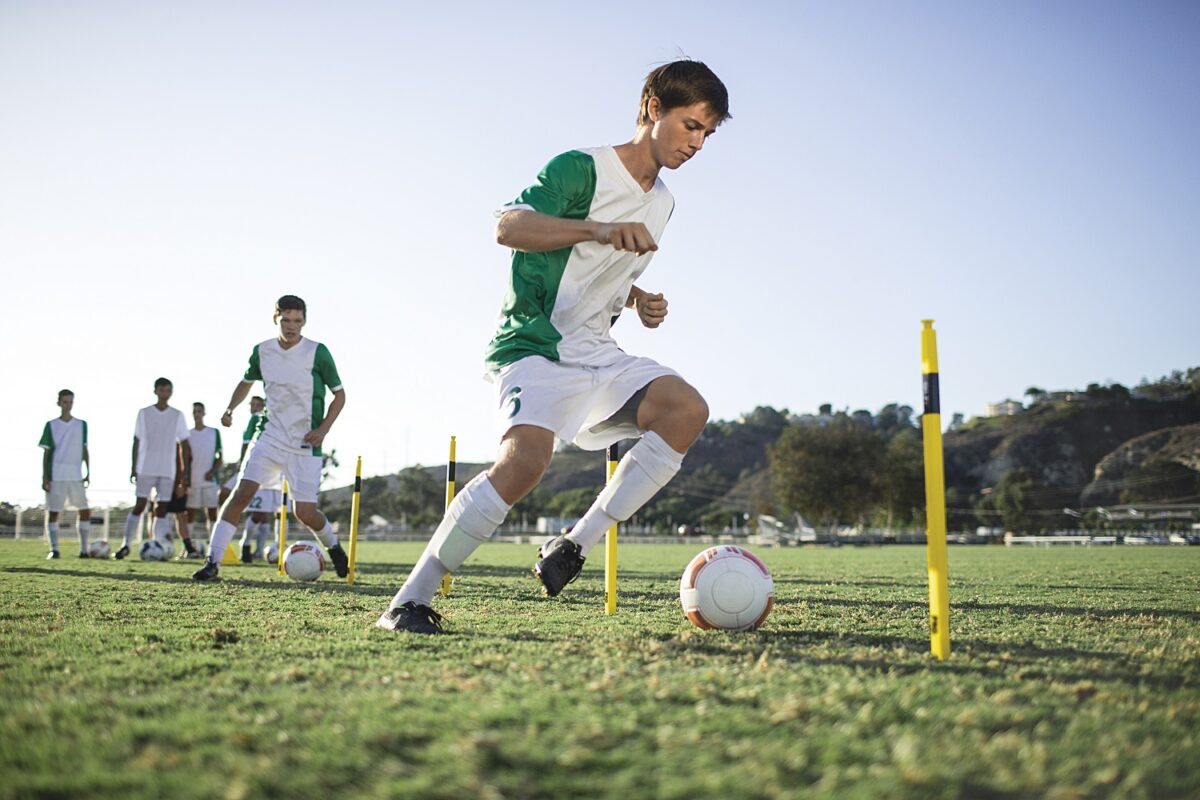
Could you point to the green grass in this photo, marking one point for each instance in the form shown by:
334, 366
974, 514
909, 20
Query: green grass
1074, 673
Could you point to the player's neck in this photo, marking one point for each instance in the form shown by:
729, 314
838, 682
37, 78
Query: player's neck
199, 427
284, 344
638, 159
66, 416
161, 405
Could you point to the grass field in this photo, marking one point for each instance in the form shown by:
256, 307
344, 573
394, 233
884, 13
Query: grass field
1074, 673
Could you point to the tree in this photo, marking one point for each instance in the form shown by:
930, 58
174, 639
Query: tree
828, 474
1034, 394
1011, 498
902, 479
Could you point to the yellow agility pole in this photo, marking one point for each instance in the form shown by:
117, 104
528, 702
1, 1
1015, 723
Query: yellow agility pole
935, 498
354, 501
610, 544
451, 468
283, 527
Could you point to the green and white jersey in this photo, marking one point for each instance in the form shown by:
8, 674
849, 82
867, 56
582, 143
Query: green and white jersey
65, 441
254, 427
205, 444
294, 381
560, 304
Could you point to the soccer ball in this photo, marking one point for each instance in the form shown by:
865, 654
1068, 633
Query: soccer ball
304, 561
152, 550
727, 587
168, 546
98, 549
272, 553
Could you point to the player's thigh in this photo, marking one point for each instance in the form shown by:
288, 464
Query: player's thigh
671, 399
524, 455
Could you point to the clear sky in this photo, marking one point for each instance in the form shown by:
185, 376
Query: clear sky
1025, 173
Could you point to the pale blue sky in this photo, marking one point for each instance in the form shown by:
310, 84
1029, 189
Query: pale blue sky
1027, 174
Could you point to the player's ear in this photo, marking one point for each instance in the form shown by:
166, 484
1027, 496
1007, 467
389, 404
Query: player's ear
653, 109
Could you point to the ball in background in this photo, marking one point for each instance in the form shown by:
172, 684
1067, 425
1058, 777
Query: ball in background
98, 549
728, 588
272, 553
304, 561
152, 550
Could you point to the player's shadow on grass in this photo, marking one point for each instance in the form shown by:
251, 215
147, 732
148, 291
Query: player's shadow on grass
336, 585
1017, 608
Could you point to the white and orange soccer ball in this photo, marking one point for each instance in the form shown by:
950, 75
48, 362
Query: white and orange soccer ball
728, 588
303, 561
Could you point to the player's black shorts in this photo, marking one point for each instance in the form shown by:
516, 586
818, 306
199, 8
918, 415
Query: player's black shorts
178, 503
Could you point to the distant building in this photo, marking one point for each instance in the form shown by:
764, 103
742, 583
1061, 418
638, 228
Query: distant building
1005, 408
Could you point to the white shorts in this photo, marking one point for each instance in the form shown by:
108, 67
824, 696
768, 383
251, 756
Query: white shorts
266, 501
572, 401
266, 463
162, 485
231, 484
204, 496
63, 492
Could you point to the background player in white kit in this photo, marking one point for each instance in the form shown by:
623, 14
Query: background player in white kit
161, 456
64, 480
295, 373
205, 443
581, 236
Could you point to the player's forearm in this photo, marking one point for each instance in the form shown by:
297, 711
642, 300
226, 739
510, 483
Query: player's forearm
133, 465
183, 454
239, 394
532, 232
634, 294
335, 408
46, 474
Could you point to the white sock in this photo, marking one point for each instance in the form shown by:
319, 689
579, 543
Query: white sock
472, 517
246, 533
85, 528
647, 467
162, 526
221, 535
132, 523
52, 534
327, 536
260, 539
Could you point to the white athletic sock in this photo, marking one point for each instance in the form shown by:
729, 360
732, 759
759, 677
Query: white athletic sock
221, 535
260, 538
52, 534
472, 517
132, 523
647, 467
162, 526
245, 540
327, 536
85, 529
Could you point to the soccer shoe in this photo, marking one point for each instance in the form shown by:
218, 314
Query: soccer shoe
209, 572
84, 554
559, 562
411, 617
51, 555
340, 563
246, 556
124, 551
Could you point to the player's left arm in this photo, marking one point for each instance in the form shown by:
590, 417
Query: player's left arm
183, 464
217, 458
651, 307
318, 434
87, 467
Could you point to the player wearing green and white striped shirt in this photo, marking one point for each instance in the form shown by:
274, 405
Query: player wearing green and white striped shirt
581, 238
295, 373
64, 440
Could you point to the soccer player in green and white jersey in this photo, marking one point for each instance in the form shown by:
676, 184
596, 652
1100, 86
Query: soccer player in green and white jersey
202, 492
64, 440
295, 373
581, 236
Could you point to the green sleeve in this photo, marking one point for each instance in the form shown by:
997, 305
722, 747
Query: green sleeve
323, 365
47, 438
253, 372
564, 187
248, 436
84, 433
218, 450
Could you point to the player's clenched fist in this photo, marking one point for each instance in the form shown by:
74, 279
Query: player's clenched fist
632, 237
651, 309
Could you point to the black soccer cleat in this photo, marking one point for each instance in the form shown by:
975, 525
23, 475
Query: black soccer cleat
124, 551
51, 555
209, 572
559, 562
411, 617
340, 563
84, 554
247, 557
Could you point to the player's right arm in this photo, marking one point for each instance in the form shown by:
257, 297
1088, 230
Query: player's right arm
533, 232
239, 394
46, 462
133, 466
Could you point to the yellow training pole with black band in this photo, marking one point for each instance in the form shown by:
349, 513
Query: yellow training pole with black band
935, 498
283, 527
354, 501
610, 545
451, 466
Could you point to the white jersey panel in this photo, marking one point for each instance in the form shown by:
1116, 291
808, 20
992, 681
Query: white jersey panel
158, 432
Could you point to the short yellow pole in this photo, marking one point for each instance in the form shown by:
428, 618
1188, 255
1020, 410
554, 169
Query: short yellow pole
610, 544
935, 498
451, 468
283, 514
354, 505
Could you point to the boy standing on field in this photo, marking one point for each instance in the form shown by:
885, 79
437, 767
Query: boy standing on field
581, 236
295, 373
160, 460
206, 460
64, 480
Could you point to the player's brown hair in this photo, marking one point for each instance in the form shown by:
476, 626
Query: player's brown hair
289, 302
684, 83
64, 392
